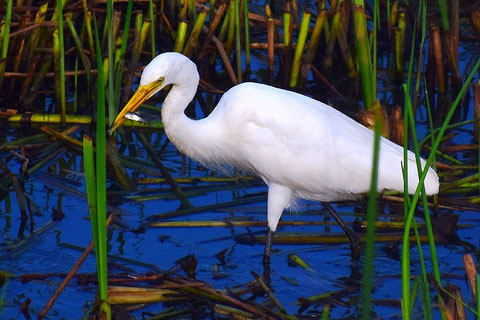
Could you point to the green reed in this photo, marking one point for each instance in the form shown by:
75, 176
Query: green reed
5, 40
409, 122
302, 37
59, 61
409, 218
367, 78
152, 29
120, 60
96, 183
367, 278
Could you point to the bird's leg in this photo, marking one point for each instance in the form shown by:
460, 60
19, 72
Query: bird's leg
278, 199
352, 236
266, 256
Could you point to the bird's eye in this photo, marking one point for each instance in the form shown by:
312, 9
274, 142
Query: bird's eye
160, 80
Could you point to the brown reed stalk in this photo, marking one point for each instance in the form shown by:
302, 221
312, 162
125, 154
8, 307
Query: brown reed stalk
270, 42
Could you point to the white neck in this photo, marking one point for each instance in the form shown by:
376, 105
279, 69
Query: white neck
191, 137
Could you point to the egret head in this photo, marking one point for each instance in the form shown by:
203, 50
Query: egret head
164, 69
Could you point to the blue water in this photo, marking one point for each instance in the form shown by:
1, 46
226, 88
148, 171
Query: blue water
47, 251
49, 248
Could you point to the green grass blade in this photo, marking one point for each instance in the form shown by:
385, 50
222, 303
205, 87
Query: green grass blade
238, 53
426, 210
61, 62
5, 40
197, 28
409, 121
364, 59
230, 28
367, 279
302, 38
89, 167
247, 36
408, 220
75, 87
78, 44
376, 25
112, 113
326, 312
152, 28
477, 290
101, 173
180, 39
120, 64
442, 6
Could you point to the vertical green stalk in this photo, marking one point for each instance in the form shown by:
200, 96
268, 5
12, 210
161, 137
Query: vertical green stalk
442, 6
231, 28
363, 54
101, 178
212, 10
408, 220
191, 4
87, 21
335, 25
5, 39
238, 52
287, 20
81, 54
325, 313
376, 26
247, 36
477, 290
89, 167
112, 113
428, 223
61, 62
409, 121
371, 219
145, 30
423, 13
197, 28
180, 39
152, 27
315, 37
314, 42
409, 114
302, 37
75, 87
121, 59
224, 26
430, 122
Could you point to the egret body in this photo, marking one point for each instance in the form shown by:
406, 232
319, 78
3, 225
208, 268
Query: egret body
300, 147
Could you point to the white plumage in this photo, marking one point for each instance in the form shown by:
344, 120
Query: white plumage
300, 147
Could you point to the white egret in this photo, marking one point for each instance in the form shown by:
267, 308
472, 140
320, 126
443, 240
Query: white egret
300, 147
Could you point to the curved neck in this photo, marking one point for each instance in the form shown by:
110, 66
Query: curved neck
175, 103
189, 136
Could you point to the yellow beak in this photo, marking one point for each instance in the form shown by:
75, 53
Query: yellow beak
139, 97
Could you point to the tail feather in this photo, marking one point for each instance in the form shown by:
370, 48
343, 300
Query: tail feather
431, 182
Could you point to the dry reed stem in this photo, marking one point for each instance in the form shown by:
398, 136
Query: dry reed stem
471, 272
70, 275
61, 136
223, 55
438, 56
476, 111
270, 44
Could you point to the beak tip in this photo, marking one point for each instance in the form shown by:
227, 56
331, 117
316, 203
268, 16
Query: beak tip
110, 130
